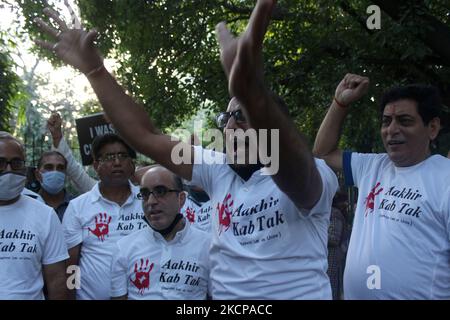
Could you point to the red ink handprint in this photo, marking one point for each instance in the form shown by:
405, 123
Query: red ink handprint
101, 226
142, 275
190, 214
370, 200
225, 210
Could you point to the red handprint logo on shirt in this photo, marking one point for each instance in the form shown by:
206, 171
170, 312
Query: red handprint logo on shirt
102, 221
370, 200
225, 210
190, 214
142, 275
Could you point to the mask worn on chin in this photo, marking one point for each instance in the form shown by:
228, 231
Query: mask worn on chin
11, 185
53, 181
169, 229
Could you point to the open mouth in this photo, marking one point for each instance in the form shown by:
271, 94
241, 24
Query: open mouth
155, 212
395, 142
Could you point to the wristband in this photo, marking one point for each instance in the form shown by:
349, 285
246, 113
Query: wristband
339, 104
90, 73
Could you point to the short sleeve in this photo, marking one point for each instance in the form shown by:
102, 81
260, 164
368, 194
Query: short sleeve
329, 188
119, 273
347, 168
359, 164
206, 163
55, 249
446, 210
73, 231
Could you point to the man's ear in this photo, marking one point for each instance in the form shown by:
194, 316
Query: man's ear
95, 165
182, 198
434, 127
38, 175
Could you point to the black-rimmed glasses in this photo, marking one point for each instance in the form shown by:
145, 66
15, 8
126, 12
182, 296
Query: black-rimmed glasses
158, 192
223, 117
16, 164
111, 157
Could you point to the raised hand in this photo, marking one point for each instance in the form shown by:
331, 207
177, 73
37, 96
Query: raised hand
351, 89
54, 126
73, 46
241, 56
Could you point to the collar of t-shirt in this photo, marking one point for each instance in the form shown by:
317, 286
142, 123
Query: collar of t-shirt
246, 172
96, 194
255, 178
198, 203
179, 236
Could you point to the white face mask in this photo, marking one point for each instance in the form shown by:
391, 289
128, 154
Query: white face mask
11, 185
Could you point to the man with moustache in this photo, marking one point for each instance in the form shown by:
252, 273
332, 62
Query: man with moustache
270, 228
96, 220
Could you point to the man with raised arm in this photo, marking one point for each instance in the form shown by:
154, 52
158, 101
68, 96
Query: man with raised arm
75, 171
400, 242
269, 232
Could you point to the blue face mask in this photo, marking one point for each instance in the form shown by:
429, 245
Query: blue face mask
53, 181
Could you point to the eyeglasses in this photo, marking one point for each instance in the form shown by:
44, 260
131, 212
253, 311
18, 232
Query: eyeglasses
223, 117
158, 192
111, 157
16, 164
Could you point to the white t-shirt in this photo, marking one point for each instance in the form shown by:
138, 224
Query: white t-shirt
400, 243
98, 224
30, 236
147, 267
198, 216
263, 247
32, 194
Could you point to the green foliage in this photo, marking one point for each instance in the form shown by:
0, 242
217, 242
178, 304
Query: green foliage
10, 87
169, 57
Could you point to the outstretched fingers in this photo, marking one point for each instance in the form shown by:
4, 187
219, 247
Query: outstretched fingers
46, 45
55, 16
90, 38
46, 28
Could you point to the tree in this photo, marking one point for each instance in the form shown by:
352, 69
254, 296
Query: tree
9, 87
39, 91
169, 57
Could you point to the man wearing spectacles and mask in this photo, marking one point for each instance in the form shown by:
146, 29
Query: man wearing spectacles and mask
169, 260
31, 239
96, 220
269, 233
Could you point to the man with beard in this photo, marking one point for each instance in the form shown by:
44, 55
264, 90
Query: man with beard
269, 227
